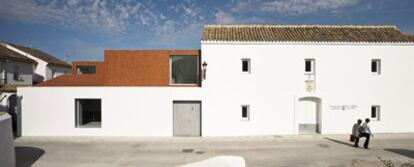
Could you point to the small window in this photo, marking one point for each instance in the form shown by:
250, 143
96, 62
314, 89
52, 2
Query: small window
376, 66
86, 69
16, 74
375, 113
88, 113
245, 112
184, 69
246, 65
309, 66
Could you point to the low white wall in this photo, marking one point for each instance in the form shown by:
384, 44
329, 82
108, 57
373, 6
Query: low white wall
148, 111
7, 153
126, 111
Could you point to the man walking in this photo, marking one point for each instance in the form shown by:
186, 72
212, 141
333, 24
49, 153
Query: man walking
365, 132
356, 132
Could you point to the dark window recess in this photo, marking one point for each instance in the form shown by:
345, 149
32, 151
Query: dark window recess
86, 70
308, 66
184, 69
244, 112
245, 66
88, 113
16, 75
373, 112
374, 66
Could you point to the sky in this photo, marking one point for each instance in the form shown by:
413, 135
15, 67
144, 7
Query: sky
83, 29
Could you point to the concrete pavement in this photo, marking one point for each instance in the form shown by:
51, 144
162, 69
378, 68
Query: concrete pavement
298, 150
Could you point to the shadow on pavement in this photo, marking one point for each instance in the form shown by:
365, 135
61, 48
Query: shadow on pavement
340, 142
27, 156
403, 152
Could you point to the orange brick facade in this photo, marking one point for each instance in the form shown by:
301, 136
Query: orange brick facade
125, 68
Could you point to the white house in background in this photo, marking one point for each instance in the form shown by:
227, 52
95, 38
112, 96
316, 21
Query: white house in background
47, 67
15, 70
249, 80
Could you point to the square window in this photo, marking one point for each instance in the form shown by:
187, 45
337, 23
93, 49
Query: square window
184, 69
245, 112
86, 70
88, 113
309, 66
376, 66
246, 65
375, 112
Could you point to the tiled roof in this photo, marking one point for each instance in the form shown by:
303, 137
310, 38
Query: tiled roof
43, 56
10, 88
6, 53
74, 80
304, 33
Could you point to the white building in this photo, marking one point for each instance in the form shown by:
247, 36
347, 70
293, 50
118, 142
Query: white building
23, 66
48, 67
249, 80
15, 70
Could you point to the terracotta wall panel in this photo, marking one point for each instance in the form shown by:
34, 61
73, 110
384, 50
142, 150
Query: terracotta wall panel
140, 68
125, 68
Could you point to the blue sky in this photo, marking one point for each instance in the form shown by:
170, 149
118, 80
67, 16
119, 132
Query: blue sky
83, 29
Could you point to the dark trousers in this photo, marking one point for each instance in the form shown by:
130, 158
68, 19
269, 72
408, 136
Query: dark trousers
366, 143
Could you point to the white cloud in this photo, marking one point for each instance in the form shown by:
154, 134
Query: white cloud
224, 18
73, 13
181, 20
290, 7
305, 6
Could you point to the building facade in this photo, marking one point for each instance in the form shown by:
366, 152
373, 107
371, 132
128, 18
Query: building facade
21, 67
47, 66
15, 70
246, 80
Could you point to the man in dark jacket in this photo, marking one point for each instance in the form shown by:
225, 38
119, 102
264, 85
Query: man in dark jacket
356, 131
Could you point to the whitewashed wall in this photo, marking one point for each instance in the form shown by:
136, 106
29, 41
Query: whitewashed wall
126, 111
25, 71
39, 73
276, 82
54, 71
42, 71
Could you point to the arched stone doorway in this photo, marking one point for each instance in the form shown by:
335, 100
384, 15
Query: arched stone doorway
309, 115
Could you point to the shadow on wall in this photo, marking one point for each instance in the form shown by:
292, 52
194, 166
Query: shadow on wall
27, 156
38, 78
403, 152
17, 131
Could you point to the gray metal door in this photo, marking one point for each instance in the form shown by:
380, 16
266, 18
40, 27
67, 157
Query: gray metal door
187, 118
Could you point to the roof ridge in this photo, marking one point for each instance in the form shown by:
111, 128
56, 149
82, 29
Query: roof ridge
42, 55
299, 25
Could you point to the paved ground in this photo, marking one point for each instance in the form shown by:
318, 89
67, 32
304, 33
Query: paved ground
304, 150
